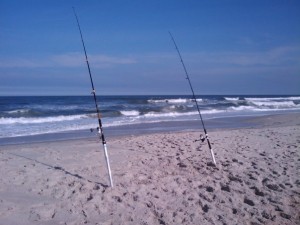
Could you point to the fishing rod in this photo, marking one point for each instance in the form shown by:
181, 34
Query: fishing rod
100, 129
195, 100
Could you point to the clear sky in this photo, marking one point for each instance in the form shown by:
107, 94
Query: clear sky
229, 47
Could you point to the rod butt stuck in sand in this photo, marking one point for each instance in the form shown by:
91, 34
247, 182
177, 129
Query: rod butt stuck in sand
100, 129
196, 103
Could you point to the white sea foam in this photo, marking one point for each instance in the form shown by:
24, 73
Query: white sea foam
18, 111
251, 109
212, 111
130, 113
178, 114
242, 108
174, 101
35, 120
275, 104
256, 109
29, 131
169, 114
295, 98
180, 100
231, 99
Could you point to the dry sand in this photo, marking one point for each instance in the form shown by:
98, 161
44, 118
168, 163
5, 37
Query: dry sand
159, 179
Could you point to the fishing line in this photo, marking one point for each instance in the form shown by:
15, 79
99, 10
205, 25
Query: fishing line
202, 138
100, 128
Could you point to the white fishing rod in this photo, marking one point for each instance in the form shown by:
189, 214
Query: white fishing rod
195, 100
100, 129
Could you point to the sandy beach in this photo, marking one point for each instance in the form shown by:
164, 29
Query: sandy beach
160, 178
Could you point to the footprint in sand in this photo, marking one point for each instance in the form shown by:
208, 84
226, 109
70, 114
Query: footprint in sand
209, 189
225, 187
285, 216
248, 201
258, 192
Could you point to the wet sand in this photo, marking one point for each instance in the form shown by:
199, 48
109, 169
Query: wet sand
160, 178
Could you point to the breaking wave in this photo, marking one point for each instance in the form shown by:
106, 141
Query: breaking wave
38, 115
36, 120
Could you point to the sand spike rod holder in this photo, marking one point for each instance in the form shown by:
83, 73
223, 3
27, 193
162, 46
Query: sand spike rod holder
195, 100
100, 130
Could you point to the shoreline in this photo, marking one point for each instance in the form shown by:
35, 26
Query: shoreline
241, 122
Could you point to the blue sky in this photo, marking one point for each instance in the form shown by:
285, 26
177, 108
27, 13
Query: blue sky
229, 47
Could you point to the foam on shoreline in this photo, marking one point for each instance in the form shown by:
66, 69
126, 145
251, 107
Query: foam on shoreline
158, 127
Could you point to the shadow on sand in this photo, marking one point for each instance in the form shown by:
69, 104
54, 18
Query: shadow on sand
60, 169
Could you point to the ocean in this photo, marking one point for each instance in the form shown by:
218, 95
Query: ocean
33, 116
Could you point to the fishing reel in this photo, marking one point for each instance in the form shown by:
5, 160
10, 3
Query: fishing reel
93, 129
202, 138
